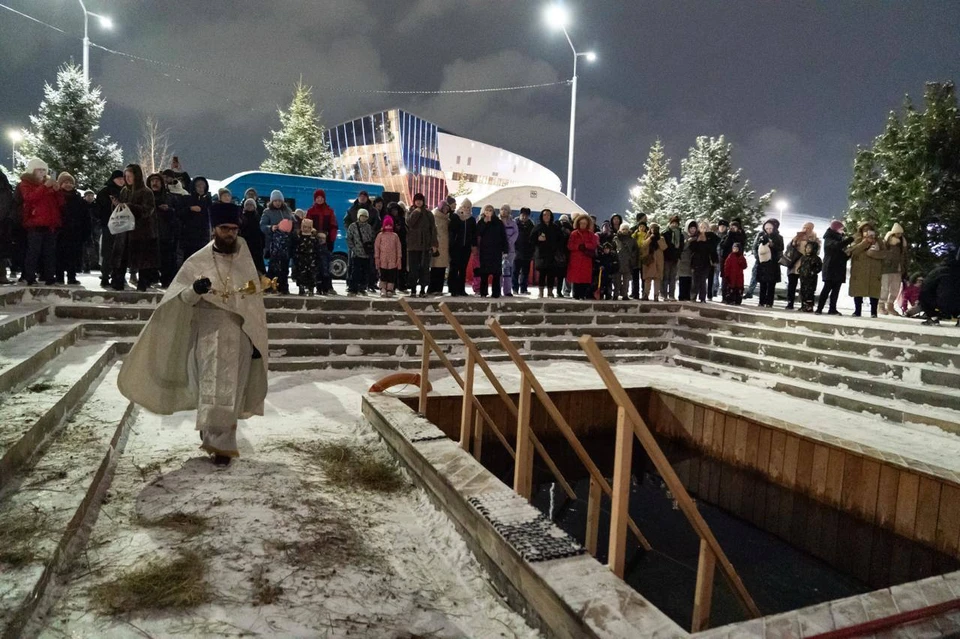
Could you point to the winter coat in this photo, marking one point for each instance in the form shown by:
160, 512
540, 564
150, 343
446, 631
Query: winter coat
582, 246
104, 203
75, 218
835, 256
547, 254
733, 267
896, 259
513, 232
866, 268
360, 239
799, 243
41, 204
628, 255
492, 244
323, 218
941, 288
441, 221
702, 254
675, 240
421, 230
306, 265
168, 223
524, 246
194, 225
652, 268
143, 248
684, 264
351, 216
387, 251
769, 272
6, 203
726, 244
809, 266
252, 235
277, 242
463, 236
713, 240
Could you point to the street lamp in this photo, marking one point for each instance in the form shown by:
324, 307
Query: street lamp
781, 206
558, 17
105, 23
15, 138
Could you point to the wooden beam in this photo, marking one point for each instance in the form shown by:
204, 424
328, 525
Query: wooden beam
703, 595
620, 501
477, 435
593, 517
523, 468
558, 418
502, 392
424, 377
466, 411
684, 501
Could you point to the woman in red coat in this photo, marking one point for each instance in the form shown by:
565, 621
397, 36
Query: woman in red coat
733, 268
42, 201
582, 245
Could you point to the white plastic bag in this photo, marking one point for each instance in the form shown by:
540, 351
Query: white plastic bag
121, 220
764, 254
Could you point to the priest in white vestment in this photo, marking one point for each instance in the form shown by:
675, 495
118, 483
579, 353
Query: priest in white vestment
205, 346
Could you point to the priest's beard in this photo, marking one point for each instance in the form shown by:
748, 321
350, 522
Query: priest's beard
224, 245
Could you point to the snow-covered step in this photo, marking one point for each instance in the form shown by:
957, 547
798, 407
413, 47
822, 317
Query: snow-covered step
28, 417
882, 389
895, 411
102, 312
16, 320
57, 498
22, 357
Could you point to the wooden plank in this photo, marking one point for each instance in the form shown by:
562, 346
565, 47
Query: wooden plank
684, 502
887, 496
778, 445
685, 411
620, 501
703, 595
740, 442
907, 493
791, 456
424, 376
837, 461
593, 517
851, 483
868, 490
523, 467
698, 412
729, 438
753, 445
948, 521
466, 409
709, 419
928, 508
763, 451
478, 435
818, 474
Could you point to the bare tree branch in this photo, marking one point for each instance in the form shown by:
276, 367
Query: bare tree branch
153, 147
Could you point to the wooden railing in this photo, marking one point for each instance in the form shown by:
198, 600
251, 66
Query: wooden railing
630, 423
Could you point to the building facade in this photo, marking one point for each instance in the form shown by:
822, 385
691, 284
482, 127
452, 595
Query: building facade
408, 155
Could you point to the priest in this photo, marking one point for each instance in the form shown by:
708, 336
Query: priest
205, 346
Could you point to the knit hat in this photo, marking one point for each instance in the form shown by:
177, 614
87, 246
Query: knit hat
736, 221
624, 226
224, 213
276, 195
224, 190
249, 204
419, 196
836, 226
722, 222
66, 177
896, 229
37, 163
299, 214
363, 193
452, 202
306, 226
387, 223
363, 214
737, 246
320, 193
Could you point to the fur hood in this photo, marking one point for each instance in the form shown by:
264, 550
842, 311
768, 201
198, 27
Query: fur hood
576, 221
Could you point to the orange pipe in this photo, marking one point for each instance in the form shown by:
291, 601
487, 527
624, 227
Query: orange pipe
398, 379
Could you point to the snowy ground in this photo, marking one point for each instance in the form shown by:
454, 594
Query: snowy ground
346, 562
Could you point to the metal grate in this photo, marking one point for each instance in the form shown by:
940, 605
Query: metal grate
524, 527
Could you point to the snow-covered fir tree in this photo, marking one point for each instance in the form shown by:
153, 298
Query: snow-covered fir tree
710, 189
299, 146
654, 189
63, 133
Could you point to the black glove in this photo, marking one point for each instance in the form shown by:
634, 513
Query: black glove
202, 286
256, 353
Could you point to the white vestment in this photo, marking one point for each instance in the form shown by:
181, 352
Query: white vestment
196, 353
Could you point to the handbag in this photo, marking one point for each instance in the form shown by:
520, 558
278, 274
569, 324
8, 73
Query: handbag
121, 220
790, 256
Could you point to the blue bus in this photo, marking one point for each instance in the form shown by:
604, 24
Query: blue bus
298, 192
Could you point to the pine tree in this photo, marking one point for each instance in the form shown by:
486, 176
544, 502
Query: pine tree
911, 176
709, 188
63, 133
299, 146
463, 187
654, 189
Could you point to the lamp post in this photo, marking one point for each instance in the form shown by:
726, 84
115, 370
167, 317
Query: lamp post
781, 206
105, 23
15, 138
558, 18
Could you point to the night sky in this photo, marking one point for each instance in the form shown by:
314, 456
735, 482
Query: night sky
795, 86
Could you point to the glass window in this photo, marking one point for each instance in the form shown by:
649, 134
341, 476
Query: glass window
469, 161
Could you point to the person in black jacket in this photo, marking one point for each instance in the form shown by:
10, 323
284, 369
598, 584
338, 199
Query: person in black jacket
6, 225
492, 245
940, 293
106, 195
673, 235
524, 252
462, 233
768, 248
734, 235
168, 227
195, 223
74, 230
549, 242
251, 233
703, 254
834, 273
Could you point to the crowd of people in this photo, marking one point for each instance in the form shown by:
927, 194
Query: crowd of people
51, 231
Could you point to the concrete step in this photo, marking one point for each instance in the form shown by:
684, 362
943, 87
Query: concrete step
30, 416
15, 321
23, 356
881, 389
850, 400
911, 373
900, 349
57, 498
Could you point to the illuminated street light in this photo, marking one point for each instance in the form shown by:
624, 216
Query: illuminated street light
781, 206
105, 23
16, 136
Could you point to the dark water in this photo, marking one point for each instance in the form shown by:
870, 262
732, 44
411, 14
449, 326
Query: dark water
790, 551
